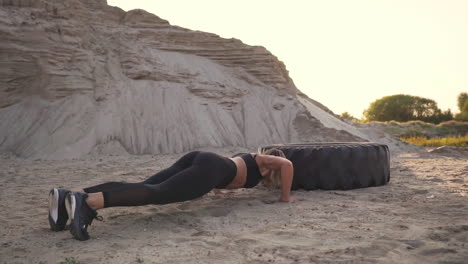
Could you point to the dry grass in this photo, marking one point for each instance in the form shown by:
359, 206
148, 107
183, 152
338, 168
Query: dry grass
459, 141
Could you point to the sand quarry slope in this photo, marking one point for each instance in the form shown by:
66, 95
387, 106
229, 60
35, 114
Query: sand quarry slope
80, 79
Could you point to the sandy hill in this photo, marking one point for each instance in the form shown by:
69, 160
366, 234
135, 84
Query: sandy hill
79, 77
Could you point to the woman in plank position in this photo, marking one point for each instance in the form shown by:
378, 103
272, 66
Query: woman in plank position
192, 176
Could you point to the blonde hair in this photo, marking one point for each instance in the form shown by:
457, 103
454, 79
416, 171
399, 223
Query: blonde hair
274, 181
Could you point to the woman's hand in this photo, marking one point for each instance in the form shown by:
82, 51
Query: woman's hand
286, 169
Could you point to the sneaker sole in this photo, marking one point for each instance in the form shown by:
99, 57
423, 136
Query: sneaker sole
70, 205
53, 210
53, 204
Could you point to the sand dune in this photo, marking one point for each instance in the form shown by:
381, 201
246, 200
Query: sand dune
73, 84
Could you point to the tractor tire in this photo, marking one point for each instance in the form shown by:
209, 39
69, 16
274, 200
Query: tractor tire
337, 166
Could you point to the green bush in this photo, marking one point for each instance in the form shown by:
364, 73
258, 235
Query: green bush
403, 108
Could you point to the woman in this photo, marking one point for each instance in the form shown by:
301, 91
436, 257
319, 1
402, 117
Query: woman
192, 176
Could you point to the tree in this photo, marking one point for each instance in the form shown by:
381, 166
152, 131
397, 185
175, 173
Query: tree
404, 108
463, 106
348, 116
462, 101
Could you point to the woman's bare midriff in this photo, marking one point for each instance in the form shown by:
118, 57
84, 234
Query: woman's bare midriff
241, 175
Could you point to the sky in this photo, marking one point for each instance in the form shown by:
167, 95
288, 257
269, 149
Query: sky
343, 53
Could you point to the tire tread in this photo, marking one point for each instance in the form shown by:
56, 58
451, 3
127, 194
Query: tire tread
337, 165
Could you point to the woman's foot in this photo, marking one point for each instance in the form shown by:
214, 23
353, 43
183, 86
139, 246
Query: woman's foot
58, 215
81, 215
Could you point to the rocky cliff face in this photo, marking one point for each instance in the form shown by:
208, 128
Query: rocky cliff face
79, 76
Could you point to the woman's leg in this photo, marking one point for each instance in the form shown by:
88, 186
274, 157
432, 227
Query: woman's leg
108, 186
95, 200
205, 173
190, 183
181, 164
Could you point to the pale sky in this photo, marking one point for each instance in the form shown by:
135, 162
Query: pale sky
343, 53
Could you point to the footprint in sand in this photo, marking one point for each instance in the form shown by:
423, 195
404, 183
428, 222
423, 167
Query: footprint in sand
439, 237
402, 227
413, 243
436, 251
457, 180
446, 233
378, 248
435, 180
20, 250
202, 233
246, 241
220, 212
116, 246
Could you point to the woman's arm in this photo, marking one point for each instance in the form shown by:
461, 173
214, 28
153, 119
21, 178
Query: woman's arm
287, 172
285, 167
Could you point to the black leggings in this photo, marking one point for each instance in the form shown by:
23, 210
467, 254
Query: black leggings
192, 176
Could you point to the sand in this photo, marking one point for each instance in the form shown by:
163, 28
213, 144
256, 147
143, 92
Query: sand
421, 216
78, 76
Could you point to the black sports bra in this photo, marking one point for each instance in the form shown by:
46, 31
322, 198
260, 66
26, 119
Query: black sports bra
253, 172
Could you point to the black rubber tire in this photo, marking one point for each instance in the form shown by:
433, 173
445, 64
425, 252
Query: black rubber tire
337, 166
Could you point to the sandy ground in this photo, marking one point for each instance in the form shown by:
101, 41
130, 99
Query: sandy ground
421, 216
